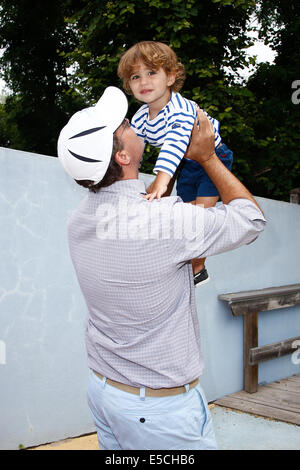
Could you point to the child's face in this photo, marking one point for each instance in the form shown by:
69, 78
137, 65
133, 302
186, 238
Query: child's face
151, 86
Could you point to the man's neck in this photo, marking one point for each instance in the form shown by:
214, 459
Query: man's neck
129, 174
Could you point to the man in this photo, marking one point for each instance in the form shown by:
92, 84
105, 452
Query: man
132, 259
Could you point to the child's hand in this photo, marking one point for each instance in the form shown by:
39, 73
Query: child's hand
158, 187
156, 190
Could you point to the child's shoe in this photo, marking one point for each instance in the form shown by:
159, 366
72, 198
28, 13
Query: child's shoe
201, 278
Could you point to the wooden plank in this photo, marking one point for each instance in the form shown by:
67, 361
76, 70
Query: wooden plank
269, 396
259, 409
267, 292
294, 378
267, 304
262, 300
272, 351
250, 341
278, 400
285, 386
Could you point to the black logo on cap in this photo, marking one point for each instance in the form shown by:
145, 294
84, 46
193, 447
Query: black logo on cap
82, 134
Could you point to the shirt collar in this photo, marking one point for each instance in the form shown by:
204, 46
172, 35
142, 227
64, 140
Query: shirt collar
126, 187
165, 108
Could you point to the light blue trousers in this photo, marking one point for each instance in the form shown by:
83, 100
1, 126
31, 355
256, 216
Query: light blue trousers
130, 422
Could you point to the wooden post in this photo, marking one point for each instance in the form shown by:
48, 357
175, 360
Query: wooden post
249, 304
250, 341
295, 196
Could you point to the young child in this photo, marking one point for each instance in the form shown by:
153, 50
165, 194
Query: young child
152, 73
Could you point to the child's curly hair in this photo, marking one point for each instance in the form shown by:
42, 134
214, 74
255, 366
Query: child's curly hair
155, 55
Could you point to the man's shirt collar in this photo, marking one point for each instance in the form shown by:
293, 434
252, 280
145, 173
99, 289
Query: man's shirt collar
126, 187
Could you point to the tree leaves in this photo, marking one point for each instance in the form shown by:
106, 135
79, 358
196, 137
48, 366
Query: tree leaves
60, 55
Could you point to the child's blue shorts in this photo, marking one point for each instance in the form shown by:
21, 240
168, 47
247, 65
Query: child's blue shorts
194, 182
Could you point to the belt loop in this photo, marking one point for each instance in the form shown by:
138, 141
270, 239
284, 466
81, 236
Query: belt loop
187, 387
142, 393
103, 381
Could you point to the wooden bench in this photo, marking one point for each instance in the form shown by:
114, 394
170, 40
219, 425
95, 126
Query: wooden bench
249, 304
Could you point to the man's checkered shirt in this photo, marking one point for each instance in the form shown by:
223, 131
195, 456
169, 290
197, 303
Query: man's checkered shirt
132, 259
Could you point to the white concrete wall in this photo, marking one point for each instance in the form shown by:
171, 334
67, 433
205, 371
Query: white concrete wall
43, 370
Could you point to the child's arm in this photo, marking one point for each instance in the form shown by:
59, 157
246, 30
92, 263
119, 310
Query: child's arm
159, 186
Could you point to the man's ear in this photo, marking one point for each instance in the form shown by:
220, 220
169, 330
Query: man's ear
122, 157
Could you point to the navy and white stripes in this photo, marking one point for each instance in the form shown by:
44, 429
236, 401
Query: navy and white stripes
170, 130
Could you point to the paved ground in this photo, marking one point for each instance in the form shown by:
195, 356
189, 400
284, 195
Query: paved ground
88, 442
234, 431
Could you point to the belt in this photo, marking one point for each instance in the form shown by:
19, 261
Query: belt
149, 392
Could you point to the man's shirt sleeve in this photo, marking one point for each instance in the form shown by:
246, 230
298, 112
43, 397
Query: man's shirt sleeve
214, 230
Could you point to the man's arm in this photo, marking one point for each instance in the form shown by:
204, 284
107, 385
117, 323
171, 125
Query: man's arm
202, 150
236, 222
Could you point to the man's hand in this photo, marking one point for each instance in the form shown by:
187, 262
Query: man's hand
202, 144
202, 150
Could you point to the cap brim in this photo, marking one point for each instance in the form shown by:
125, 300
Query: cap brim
85, 143
113, 105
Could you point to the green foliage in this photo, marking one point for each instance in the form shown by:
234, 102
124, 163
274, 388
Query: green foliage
60, 55
274, 118
9, 133
31, 32
206, 35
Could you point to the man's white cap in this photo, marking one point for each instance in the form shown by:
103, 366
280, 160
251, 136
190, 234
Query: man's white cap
85, 144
